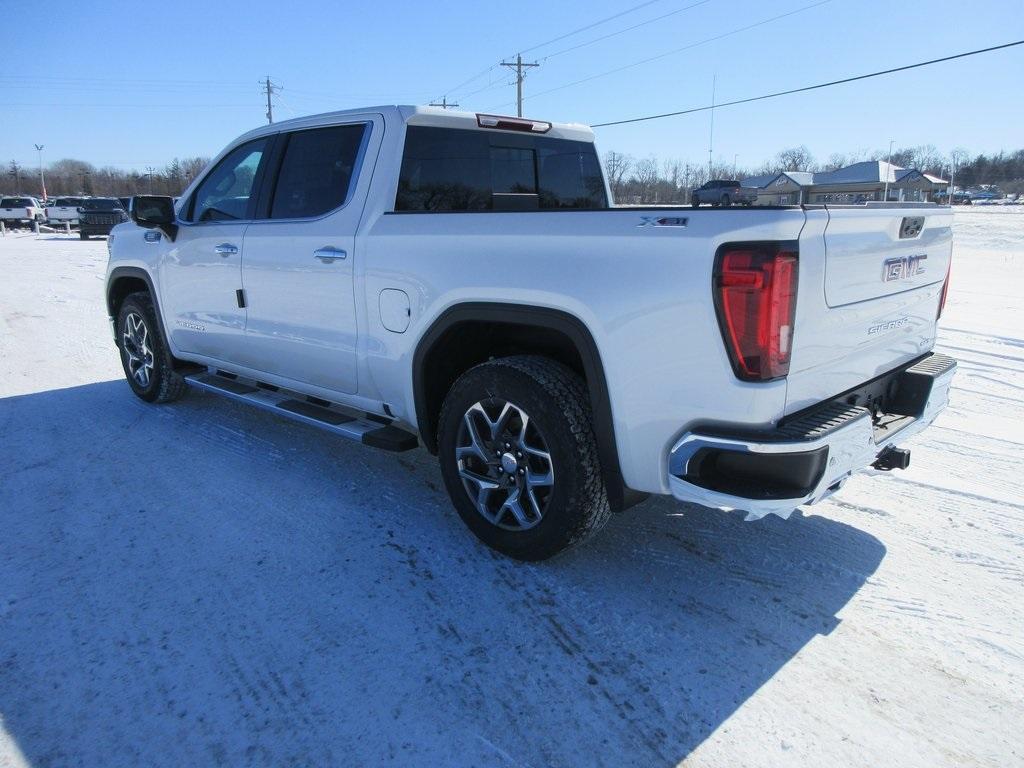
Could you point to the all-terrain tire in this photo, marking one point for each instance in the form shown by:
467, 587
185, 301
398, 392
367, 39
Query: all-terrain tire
162, 382
557, 403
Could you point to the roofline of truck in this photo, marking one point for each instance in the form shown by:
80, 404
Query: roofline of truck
412, 115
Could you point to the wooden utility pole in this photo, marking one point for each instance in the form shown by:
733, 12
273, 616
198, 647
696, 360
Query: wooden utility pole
270, 89
445, 104
518, 66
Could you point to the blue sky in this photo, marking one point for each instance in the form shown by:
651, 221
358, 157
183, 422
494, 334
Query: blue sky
134, 84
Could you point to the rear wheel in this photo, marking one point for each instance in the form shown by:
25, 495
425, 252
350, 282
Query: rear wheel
147, 362
695, 202
726, 201
519, 457
82, 235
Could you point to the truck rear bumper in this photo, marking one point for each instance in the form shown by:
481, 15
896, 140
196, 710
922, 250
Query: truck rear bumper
811, 454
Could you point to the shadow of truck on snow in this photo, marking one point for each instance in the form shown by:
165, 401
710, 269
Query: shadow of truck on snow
203, 584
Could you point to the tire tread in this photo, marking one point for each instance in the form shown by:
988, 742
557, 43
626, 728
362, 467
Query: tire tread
569, 394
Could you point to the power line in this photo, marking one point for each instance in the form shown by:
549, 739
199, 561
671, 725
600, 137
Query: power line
812, 87
477, 76
576, 31
623, 31
118, 80
684, 48
492, 86
590, 26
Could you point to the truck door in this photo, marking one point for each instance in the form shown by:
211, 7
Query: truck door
298, 267
201, 271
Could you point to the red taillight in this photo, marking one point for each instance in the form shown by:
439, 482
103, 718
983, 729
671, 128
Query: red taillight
512, 123
756, 303
945, 290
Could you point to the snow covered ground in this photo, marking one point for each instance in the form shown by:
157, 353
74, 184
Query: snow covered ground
202, 584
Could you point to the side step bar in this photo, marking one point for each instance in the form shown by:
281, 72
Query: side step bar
369, 429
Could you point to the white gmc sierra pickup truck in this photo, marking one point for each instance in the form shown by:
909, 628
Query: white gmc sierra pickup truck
399, 275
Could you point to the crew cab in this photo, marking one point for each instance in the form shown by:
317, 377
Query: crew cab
408, 275
723, 192
21, 211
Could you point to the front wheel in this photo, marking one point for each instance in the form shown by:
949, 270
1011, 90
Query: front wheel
147, 362
519, 457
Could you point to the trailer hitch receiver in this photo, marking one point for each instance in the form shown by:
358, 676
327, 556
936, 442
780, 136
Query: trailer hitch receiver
892, 458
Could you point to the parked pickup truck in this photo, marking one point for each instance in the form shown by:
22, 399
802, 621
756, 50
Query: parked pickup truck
406, 275
21, 211
64, 209
723, 192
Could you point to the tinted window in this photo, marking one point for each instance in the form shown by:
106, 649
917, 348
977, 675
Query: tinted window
16, 202
513, 170
447, 169
100, 204
316, 171
226, 192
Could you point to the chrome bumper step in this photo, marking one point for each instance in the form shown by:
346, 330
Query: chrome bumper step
369, 429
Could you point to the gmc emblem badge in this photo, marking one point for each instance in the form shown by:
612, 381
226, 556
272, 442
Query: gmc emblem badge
903, 268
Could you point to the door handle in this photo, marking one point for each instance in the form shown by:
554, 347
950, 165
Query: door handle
225, 249
329, 254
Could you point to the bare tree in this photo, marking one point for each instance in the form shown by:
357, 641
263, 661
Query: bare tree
795, 159
616, 166
836, 161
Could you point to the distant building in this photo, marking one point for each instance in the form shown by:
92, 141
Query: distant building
857, 183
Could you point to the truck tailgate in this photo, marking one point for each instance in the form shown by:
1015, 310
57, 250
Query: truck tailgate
869, 288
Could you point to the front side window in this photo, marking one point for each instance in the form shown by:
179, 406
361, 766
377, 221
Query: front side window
16, 202
316, 171
227, 192
446, 169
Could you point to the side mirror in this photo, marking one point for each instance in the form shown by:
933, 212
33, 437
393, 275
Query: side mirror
155, 212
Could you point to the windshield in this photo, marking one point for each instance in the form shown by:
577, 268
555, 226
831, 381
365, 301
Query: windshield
100, 204
16, 202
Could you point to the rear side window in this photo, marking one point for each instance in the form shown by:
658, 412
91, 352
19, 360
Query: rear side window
445, 169
227, 191
16, 202
316, 171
